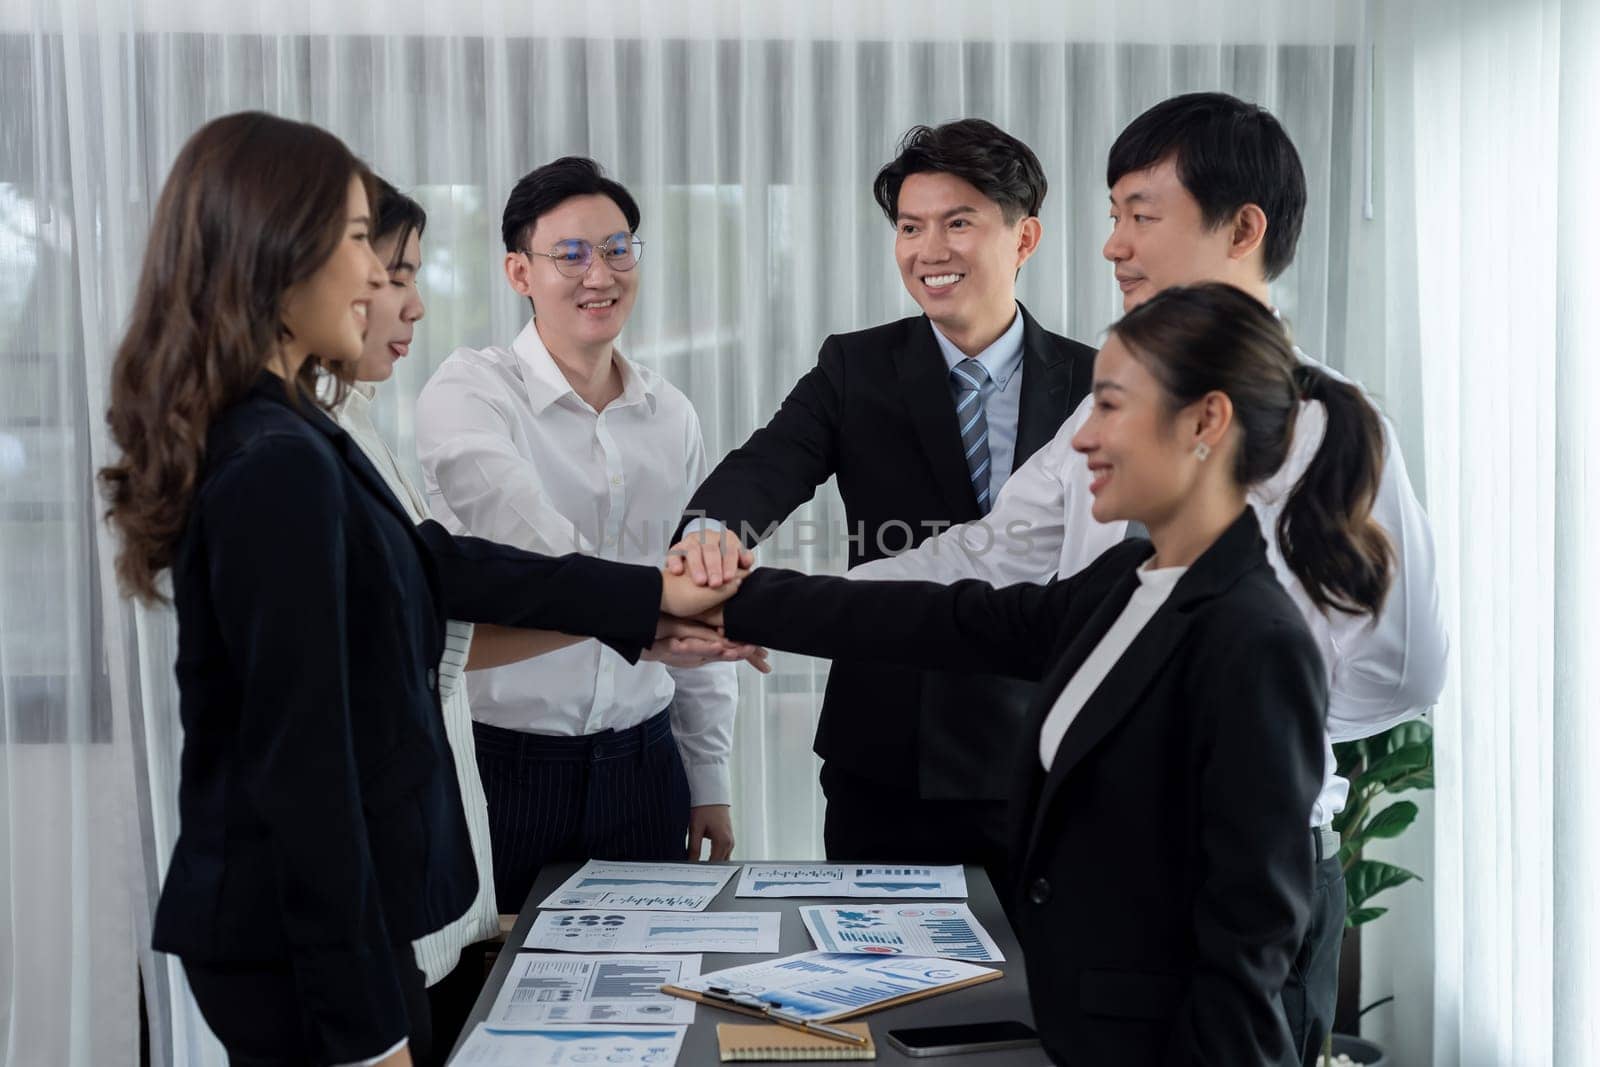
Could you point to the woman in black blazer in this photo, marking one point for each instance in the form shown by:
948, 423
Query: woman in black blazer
1160, 847
321, 823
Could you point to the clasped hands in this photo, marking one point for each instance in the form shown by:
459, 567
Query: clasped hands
703, 570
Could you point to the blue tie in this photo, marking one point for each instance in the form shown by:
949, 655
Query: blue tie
971, 382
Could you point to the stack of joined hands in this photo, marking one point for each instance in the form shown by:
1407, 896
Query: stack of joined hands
703, 570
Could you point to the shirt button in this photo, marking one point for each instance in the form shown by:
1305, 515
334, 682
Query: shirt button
1039, 891
433, 679
616, 480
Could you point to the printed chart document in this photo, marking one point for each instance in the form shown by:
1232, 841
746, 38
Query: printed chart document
948, 930
592, 989
654, 931
822, 986
850, 880
641, 886
493, 1046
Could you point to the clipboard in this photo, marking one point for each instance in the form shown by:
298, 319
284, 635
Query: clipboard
856, 1013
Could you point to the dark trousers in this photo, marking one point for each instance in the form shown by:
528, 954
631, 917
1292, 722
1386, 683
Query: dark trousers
868, 822
614, 795
255, 1010
1312, 990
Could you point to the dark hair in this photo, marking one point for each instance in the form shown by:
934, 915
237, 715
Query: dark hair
541, 190
1215, 338
395, 215
254, 205
978, 152
1228, 154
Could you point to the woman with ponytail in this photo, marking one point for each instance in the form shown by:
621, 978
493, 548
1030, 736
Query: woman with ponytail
1163, 870
321, 826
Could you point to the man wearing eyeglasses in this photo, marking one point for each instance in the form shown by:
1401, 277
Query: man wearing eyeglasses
558, 444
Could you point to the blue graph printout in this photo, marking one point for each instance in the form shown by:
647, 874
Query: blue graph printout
852, 880
654, 931
544, 988
641, 886
933, 929
557, 1046
820, 986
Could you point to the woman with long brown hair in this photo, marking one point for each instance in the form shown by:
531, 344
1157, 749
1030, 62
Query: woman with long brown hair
1162, 868
321, 823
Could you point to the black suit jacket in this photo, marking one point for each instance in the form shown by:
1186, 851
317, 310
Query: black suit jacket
1164, 866
321, 820
877, 413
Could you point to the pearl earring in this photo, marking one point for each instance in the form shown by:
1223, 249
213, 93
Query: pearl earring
1202, 451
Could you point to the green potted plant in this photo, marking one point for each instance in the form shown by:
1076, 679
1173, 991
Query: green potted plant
1396, 761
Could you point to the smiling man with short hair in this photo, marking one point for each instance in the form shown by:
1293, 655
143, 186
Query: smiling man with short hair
921, 421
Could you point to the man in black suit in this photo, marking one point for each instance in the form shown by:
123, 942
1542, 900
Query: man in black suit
921, 420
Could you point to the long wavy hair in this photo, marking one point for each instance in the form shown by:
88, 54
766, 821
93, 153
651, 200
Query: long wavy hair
254, 205
1214, 337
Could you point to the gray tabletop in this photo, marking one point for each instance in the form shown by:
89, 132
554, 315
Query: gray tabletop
1006, 998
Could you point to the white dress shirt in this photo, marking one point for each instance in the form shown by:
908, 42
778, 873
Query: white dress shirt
1002, 401
1381, 671
1155, 586
511, 453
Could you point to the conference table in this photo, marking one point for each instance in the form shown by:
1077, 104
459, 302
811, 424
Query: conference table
1005, 998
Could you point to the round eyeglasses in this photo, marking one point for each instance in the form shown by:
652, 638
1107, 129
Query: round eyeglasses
573, 257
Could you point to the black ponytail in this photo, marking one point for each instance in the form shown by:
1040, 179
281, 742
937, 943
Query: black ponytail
1326, 530
1200, 339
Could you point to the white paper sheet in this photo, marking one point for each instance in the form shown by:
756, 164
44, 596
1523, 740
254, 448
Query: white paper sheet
605, 990
654, 931
851, 880
641, 886
553, 1046
947, 930
820, 986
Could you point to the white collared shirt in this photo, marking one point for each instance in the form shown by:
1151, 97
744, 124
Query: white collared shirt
1002, 403
1155, 586
1381, 671
512, 454
438, 952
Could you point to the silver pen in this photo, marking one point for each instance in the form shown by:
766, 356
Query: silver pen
781, 1017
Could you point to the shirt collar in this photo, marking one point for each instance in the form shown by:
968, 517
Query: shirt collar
1001, 359
546, 384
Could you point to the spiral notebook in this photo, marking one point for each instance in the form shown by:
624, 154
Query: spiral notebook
743, 1042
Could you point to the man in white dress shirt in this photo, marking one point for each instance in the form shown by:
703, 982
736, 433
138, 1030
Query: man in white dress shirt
1205, 187
558, 444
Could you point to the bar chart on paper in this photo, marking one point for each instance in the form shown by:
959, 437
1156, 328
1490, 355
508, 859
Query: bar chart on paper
645, 931
543, 989
851, 880
821, 986
641, 886
947, 930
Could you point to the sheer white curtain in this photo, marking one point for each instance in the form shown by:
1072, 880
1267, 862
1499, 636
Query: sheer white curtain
1492, 142
750, 134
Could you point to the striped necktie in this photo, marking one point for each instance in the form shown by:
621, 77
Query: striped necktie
971, 383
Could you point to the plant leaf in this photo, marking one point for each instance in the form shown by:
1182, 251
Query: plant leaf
1367, 878
1405, 760
1363, 915
1391, 821
1422, 779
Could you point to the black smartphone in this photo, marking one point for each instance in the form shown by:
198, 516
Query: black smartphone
966, 1037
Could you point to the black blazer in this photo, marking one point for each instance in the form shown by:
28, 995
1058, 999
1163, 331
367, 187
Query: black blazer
877, 412
1164, 865
321, 820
